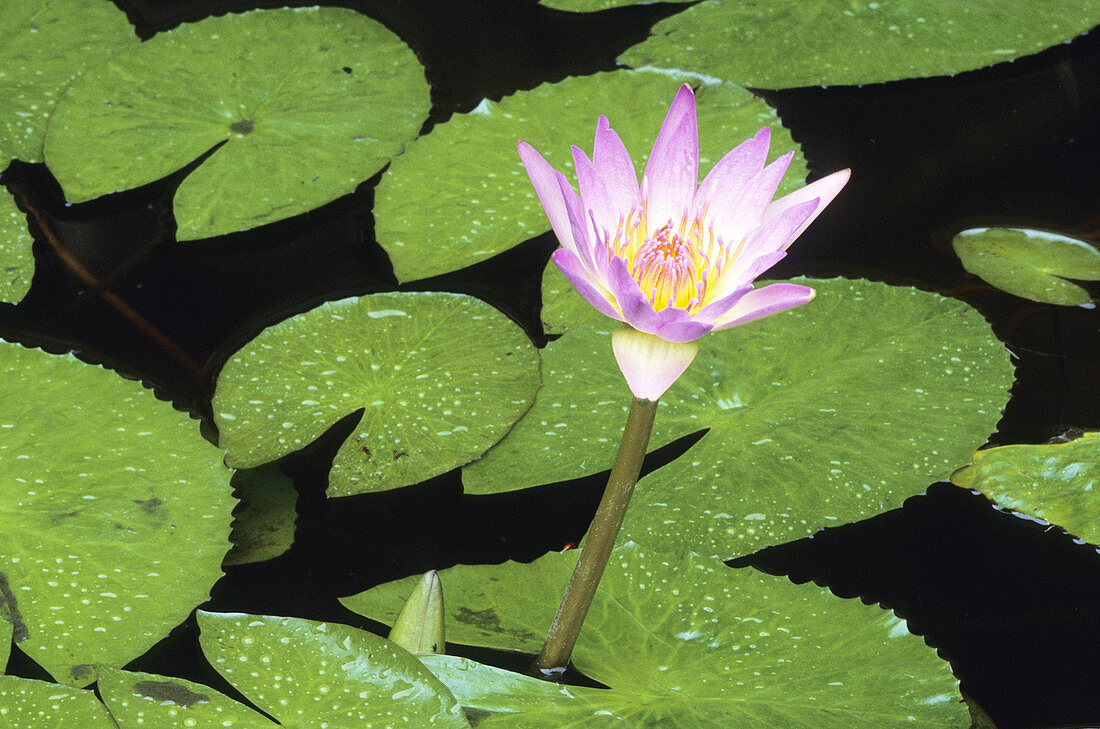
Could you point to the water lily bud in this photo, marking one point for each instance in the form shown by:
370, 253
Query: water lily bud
419, 626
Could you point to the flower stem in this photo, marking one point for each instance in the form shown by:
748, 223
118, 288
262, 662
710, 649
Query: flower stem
599, 541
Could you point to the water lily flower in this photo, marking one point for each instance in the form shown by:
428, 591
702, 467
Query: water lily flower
671, 259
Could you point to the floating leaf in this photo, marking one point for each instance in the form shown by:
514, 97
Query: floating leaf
44, 45
5, 629
829, 413
592, 6
308, 102
684, 641
786, 43
115, 513
1058, 482
264, 521
1032, 264
441, 378
460, 195
140, 700
29, 704
309, 674
16, 260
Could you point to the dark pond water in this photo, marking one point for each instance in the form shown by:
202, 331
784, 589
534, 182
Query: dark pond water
1014, 605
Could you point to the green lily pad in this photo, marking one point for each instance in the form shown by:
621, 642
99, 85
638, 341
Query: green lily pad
16, 260
1032, 264
1058, 483
29, 704
592, 6
309, 102
264, 522
460, 194
441, 378
684, 641
829, 413
140, 700
44, 45
115, 514
308, 674
6, 630
786, 43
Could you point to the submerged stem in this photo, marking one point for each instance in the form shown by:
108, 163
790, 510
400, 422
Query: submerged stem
599, 541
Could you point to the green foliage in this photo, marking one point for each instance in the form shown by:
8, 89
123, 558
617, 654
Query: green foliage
831, 412
1058, 482
308, 674
1030, 263
460, 195
264, 522
30, 704
786, 43
16, 261
684, 641
44, 45
441, 377
140, 700
115, 518
309, 102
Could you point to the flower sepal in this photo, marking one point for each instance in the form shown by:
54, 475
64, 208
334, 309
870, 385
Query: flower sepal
650, 364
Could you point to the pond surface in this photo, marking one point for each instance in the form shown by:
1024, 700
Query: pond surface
1013, 604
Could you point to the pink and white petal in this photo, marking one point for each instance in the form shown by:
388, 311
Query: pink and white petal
775, 234
679, 326
728, 179
672, 171
636, 310
650, 364
582, 240
715, 309
742, 273
824, 190
613, 165
544, 179
592, 290
764, 302
733, 217
602, 214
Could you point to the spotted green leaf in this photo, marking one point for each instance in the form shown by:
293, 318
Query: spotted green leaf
26, 703
5, 633
306, 103
592, 6
829, 413
1058, 482
140, 700
114, 517
460, 195
684, 641
16, 261
440, 377
787, 43
44, 45
264, 522
308, 674
1032, 264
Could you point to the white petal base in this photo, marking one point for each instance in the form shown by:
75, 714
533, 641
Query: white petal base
649, 363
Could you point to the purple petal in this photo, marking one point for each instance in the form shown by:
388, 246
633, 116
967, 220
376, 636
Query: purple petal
715, 309
824, 190
612, 164
727, 181
544, 179
764, 302
650, 364
774, 234
673, 167
582, 245
733, 218
588, 287
679, 326
636, 311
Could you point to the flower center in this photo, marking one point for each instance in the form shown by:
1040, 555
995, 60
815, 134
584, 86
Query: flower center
675, 265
